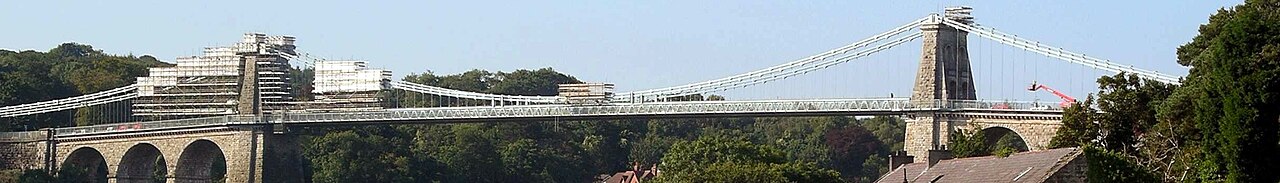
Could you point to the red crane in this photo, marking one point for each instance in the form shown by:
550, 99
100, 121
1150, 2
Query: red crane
1066, 100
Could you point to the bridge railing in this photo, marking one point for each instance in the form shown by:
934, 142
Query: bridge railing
996, 105
163, 124
663, 108
26, 136
874, 105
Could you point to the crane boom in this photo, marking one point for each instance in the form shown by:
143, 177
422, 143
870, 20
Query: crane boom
1066, 99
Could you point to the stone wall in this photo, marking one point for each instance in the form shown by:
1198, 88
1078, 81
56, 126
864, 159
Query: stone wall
927, 131
249, 153
1036, 132
1075, 170
22, 155
930, 131
23, 150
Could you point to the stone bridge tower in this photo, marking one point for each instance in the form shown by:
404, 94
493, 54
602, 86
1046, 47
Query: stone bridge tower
944, 74
944, 71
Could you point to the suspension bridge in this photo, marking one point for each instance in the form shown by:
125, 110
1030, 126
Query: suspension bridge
247, 127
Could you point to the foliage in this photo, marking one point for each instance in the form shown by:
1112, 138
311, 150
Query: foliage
473, 157
35, 176
65, 175
10, 175
68, 70
962, 145
300, 81
1128, 109
724, 159
358, 156
1110, 166
985, 143
1079, 126
1004, 151
1219, 125
850, 147
1234, 91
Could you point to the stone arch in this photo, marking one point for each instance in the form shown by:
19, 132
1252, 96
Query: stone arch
87, 163
201, 161
142, 163
993, 135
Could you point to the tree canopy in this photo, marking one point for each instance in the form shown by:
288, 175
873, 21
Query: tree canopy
831, 148
722, 159
1220, 124
70, 69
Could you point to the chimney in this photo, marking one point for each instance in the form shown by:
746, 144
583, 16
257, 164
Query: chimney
939, 155
900, 158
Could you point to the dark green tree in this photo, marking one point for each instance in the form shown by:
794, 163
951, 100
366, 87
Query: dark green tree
1079, 126
723, 159
1235, 80
472, 157
367, 154
37, 176
1109, 166
1127, 103
962, 145
70, 69
850, 147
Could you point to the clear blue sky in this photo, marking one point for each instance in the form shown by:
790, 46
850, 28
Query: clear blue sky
636, 44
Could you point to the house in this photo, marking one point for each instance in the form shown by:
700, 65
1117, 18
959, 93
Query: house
1053, 165
635, 175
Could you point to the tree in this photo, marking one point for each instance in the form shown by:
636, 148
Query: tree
1079, 126
366, 155
472, 157
1127, 103
1170, 148
570, 151
1235, 80
722, 159
804, 138
962, 145
301, 80
74, 50
1008, 144
542, 82
850, 147
1109, 166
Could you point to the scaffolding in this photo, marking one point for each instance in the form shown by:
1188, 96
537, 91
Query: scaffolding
586, 93
212, 84
348, 85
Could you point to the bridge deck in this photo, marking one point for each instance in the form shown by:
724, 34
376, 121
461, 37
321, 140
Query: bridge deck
759, 108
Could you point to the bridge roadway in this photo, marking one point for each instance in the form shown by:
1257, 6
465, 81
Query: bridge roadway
684, 109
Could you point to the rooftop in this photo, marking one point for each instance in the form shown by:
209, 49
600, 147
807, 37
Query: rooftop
1033, 166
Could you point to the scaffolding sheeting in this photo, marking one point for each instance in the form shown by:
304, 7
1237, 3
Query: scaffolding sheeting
344, 85
349, 76
586, 93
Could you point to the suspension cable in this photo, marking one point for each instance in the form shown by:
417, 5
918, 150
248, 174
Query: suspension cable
751, 78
